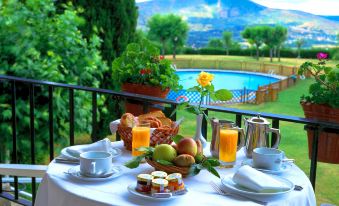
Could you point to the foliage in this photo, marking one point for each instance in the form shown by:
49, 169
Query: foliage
215, 43
227, 39
206, 163
115, 23
141, 64
168, 28
205, 88
326, 88
38, 43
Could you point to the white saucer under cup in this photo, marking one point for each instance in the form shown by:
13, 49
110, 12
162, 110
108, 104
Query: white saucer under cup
95, 164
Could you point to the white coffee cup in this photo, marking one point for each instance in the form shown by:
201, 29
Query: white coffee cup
267, 158
95, 164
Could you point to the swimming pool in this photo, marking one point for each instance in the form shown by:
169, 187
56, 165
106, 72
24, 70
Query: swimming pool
243, 85
231, 80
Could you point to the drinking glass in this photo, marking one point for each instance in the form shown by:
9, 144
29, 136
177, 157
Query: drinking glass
228, 146
141, 135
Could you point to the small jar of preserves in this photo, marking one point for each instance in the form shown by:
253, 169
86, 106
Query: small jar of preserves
144, 183
159, 175
159, 186
175, 182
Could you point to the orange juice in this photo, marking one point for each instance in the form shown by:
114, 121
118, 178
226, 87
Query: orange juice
228, 145
140, 138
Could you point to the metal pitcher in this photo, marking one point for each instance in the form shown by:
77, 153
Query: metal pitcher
215, 123
257, 130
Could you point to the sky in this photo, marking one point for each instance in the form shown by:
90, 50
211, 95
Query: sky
319, 7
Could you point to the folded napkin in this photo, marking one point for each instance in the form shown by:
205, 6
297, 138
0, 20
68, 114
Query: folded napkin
257, 181
102, 146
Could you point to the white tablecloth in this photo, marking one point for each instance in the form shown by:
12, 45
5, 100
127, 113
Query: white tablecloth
58, 189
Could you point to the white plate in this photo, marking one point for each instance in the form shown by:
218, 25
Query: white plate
114, 151
285, 167
131, 189
234, 187
74, 172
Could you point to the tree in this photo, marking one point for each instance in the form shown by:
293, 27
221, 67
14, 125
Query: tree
215, 43
254, 35
269, 39
178, 34
168, 28
227, 37
113, 21
299, 43
281, 34
41, 44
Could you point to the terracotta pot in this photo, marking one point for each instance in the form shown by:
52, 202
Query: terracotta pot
137, 109
328, 147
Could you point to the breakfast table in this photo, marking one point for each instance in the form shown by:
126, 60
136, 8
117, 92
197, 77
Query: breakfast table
59, 189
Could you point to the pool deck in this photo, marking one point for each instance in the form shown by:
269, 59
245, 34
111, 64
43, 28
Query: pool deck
280, 77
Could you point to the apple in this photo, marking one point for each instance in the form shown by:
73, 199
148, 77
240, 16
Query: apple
175, 146
164, 152
187, 146
199, 145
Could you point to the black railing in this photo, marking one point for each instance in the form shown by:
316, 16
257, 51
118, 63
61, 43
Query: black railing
147, 102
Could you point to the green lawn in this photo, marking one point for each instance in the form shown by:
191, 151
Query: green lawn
294, 140
284, 61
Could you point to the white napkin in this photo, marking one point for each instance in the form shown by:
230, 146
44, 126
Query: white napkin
103, 145
255, 180
113, 126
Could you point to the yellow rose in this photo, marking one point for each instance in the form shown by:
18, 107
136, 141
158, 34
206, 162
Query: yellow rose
204, 79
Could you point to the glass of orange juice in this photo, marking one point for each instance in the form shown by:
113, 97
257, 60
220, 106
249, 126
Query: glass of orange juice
228, 146
141, 135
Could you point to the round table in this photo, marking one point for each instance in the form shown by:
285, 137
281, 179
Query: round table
59, 189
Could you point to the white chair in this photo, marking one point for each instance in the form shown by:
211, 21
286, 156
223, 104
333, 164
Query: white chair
21, 170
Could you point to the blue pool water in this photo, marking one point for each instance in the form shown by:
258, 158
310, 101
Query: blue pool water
231, 80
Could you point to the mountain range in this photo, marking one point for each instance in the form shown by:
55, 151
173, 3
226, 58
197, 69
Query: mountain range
209, 18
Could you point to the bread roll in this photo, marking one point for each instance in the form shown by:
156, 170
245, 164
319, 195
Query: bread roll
127, 120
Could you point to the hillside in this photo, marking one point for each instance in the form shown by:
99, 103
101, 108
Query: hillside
209, 18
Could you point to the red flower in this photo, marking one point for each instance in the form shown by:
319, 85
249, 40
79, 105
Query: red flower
145, 71
162, 57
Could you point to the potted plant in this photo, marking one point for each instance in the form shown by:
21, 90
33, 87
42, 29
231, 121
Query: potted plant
141, 70
322, 103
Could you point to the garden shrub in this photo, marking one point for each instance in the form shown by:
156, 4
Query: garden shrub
36, 42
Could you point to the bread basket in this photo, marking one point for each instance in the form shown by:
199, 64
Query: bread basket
158, 136
169, 168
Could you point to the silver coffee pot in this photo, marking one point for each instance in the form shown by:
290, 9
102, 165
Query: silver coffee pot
216, 124
257, 130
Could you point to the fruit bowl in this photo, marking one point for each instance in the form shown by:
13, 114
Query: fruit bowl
168, 168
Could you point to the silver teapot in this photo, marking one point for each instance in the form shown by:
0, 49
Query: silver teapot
216, 124
257, 130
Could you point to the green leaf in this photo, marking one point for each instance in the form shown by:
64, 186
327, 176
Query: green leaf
213, 162
135, 162
223, 95
194, 169
164, 162
213, 171
145, 149
177, 138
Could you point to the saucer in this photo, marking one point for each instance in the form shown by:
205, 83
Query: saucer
285, 167
114, 151
75, 173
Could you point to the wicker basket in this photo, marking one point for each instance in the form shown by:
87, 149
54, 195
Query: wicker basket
169, 169
159, 135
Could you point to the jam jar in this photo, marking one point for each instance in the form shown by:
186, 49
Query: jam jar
144, 183
159, 175
175, 182
159, 186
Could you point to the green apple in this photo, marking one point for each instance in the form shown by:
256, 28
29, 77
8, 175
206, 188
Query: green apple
164, 152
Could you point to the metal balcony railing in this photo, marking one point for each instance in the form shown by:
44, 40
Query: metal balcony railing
146, 101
